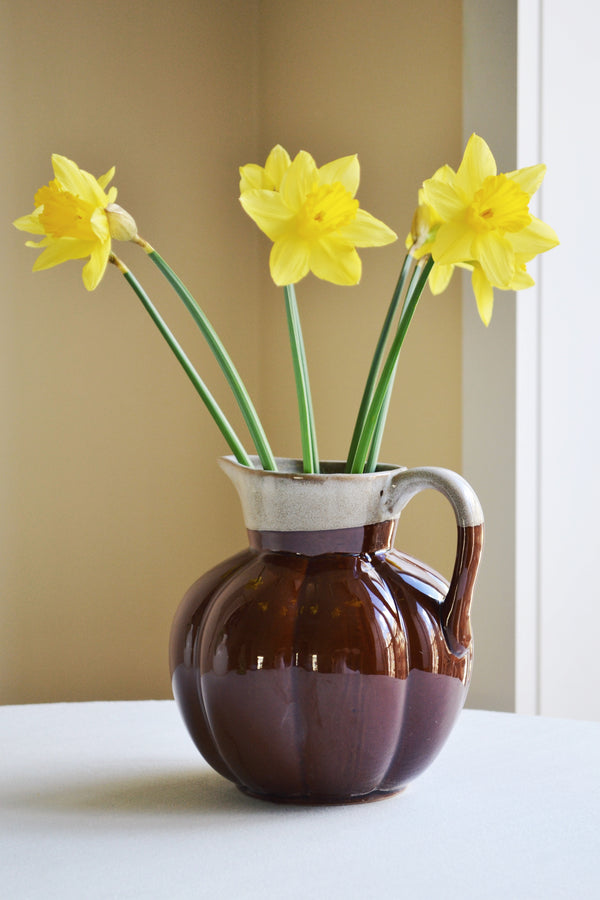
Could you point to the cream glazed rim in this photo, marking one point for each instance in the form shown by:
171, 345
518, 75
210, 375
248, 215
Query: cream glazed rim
292, 500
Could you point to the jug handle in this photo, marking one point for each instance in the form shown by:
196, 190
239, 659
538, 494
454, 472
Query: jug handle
456, 606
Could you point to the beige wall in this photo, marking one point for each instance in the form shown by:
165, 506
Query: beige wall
111, 503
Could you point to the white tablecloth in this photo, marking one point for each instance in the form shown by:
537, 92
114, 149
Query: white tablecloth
112, 800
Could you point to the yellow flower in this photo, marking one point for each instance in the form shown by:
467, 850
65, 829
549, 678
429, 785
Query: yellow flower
312, 216
77, 219
486, 223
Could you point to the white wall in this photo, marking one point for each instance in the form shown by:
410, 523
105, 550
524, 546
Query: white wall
569, 679
530, 392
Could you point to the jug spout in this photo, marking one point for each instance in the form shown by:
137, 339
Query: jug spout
456, 607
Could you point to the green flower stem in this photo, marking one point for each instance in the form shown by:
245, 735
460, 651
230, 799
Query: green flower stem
373, 456
376, 361
229, 370
357, 464
211, 404
308, 436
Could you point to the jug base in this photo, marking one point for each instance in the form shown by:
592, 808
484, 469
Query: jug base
319, 800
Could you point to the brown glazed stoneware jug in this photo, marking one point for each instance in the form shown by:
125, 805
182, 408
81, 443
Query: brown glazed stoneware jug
320, 665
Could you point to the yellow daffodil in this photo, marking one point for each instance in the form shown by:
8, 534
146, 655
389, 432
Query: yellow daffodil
486, 223
78, 219
312, 217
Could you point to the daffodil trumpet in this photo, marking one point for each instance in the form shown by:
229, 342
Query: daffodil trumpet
209, 401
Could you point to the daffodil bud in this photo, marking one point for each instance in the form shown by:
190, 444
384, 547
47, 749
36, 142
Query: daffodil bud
121, 224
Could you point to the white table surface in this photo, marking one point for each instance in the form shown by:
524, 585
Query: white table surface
112, 800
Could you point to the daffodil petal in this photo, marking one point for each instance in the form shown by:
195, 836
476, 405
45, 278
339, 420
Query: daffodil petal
452, 243
289, 260
277, 164
484, 295
445, 174
345, 170
335, 261
268, 210
529, 179
252, 177
66, 171
477, 164
95, 268
496, 257
444, 199
536, 238
105, 179
70, 177
30, 223
367, 231
97, 196
99, 224
61, 250
521, 280
299, 180
439, 278
79, 182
